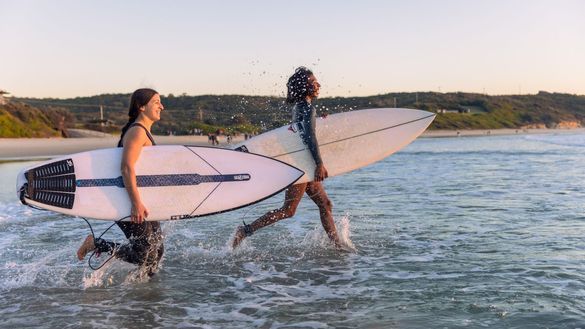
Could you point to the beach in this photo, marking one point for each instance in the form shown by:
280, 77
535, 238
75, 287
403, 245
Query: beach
14, 149
496, 132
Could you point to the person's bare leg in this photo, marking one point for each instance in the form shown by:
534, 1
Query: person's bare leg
293, 196
87, 246
317, 193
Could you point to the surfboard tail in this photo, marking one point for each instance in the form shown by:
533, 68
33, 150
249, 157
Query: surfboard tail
52, 184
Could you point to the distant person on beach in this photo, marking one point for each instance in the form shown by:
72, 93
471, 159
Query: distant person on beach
145, 247
302, 89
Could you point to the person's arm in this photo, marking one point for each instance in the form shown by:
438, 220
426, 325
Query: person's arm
312, 143
134, 140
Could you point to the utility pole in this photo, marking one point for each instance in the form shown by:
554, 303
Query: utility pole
102, 115
200, 115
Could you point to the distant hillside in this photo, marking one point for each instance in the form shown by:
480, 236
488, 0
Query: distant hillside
22, 120
477, 111
245, 113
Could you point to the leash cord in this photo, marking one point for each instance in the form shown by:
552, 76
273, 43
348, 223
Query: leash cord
96, 252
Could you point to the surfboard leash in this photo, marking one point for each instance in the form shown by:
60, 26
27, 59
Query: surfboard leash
95, 252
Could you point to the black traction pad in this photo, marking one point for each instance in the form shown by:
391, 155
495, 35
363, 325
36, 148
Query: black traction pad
52, 184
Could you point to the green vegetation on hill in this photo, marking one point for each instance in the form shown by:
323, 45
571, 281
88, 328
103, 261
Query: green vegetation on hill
182, 114
22, 120
486, 112
233, 113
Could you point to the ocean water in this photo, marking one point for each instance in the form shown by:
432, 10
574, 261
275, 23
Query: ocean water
449, 233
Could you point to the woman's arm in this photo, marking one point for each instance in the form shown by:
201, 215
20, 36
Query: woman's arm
312, 143
134, 140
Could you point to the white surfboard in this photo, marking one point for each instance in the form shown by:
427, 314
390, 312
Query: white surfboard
347, 141
174, 182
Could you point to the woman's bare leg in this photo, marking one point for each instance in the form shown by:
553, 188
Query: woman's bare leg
293, 196
317, 193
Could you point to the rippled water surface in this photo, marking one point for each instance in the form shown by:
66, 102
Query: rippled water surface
449, 233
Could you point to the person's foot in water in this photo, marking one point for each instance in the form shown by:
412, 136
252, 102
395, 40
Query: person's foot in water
87, 246
241, 233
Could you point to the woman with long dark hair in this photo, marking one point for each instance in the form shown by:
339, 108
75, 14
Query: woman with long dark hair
302, 89
145, 247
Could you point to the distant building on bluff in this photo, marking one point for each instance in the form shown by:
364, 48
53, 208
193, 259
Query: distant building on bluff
3, 100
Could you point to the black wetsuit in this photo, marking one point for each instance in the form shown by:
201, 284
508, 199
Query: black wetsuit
145, 247
304, 116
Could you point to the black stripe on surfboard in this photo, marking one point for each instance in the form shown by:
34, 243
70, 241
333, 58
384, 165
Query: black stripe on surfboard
164, 180
356, 136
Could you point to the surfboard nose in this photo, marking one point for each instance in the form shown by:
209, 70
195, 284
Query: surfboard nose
414, 113
424, 113
427, 114
422, 119
419, 117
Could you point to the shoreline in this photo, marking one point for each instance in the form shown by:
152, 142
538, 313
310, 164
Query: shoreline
23, 149
496, 132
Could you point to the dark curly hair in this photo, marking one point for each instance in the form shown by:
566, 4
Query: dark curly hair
298, 86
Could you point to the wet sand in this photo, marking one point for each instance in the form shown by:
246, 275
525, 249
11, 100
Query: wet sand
13, 149
496, 132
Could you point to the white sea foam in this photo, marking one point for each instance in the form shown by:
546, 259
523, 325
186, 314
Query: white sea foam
46, 269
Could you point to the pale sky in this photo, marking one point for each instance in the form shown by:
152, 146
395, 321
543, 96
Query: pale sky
356, 48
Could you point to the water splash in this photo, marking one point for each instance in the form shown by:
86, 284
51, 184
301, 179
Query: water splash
99, 278
344, 233
317, 238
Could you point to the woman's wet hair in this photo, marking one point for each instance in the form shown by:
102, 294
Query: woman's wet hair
139, 98
298, 86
